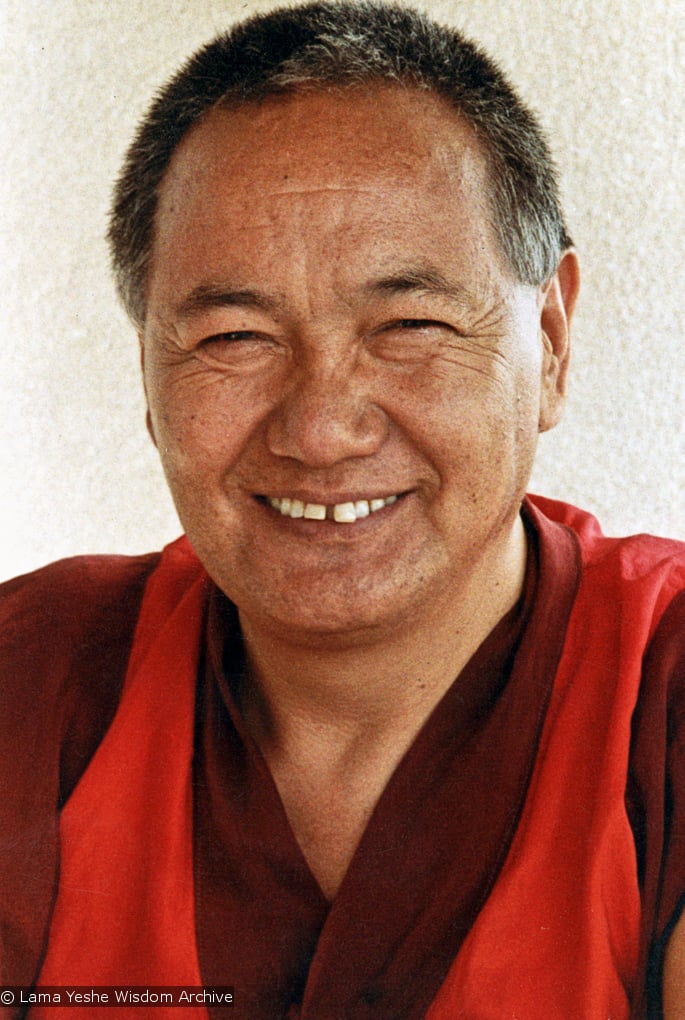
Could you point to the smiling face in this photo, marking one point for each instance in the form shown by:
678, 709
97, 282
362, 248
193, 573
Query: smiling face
344, 381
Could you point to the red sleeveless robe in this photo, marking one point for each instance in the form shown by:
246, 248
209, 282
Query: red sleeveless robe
559, 933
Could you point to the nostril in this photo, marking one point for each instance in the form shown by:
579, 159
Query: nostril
321, 426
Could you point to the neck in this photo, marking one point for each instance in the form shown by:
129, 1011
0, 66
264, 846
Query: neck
334, 720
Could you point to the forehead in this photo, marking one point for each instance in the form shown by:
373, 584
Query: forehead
394, 164
338, 121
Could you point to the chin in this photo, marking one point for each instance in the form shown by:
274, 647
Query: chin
329, 618
333, 631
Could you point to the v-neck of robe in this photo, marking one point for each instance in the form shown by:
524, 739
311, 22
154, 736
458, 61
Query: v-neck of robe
430, 852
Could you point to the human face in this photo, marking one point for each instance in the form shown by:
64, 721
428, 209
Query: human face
330, 325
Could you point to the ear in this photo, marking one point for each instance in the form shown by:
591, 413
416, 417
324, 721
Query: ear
148, 416
558, 302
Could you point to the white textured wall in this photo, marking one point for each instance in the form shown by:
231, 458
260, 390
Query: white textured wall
78, 473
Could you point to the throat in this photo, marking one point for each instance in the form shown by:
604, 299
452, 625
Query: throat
328, 811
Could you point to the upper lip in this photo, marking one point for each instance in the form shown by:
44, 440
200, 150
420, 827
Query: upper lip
333, 498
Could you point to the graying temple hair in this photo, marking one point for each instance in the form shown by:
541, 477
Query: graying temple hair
345, 44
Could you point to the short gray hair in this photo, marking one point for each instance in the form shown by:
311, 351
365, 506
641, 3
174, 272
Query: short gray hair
324, 45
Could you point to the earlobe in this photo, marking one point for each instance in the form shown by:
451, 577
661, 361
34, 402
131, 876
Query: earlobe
558, 303
148, 416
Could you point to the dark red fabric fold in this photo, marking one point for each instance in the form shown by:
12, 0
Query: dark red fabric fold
430, 853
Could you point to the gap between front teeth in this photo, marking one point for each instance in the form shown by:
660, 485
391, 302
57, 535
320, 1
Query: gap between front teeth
342, 513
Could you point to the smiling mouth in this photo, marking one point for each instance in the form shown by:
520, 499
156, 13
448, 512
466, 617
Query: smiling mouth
340, 513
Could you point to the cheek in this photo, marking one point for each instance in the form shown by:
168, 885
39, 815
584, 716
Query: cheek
201, 419
453, 413
479, 431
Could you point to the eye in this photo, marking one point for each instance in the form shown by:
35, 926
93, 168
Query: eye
234, 350
231, 338
410, 340
422, 327
418, 324
235, 347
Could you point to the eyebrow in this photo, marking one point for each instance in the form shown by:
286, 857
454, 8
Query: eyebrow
420, 278
208, 296
411, 279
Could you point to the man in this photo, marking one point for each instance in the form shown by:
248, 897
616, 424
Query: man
382, 736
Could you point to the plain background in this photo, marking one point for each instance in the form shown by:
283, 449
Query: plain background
78, 471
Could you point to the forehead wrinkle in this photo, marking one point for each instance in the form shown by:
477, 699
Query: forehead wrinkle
309, 191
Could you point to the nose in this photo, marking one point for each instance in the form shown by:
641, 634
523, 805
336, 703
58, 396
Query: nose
326, 413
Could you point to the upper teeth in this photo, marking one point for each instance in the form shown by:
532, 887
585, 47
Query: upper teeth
343, 513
